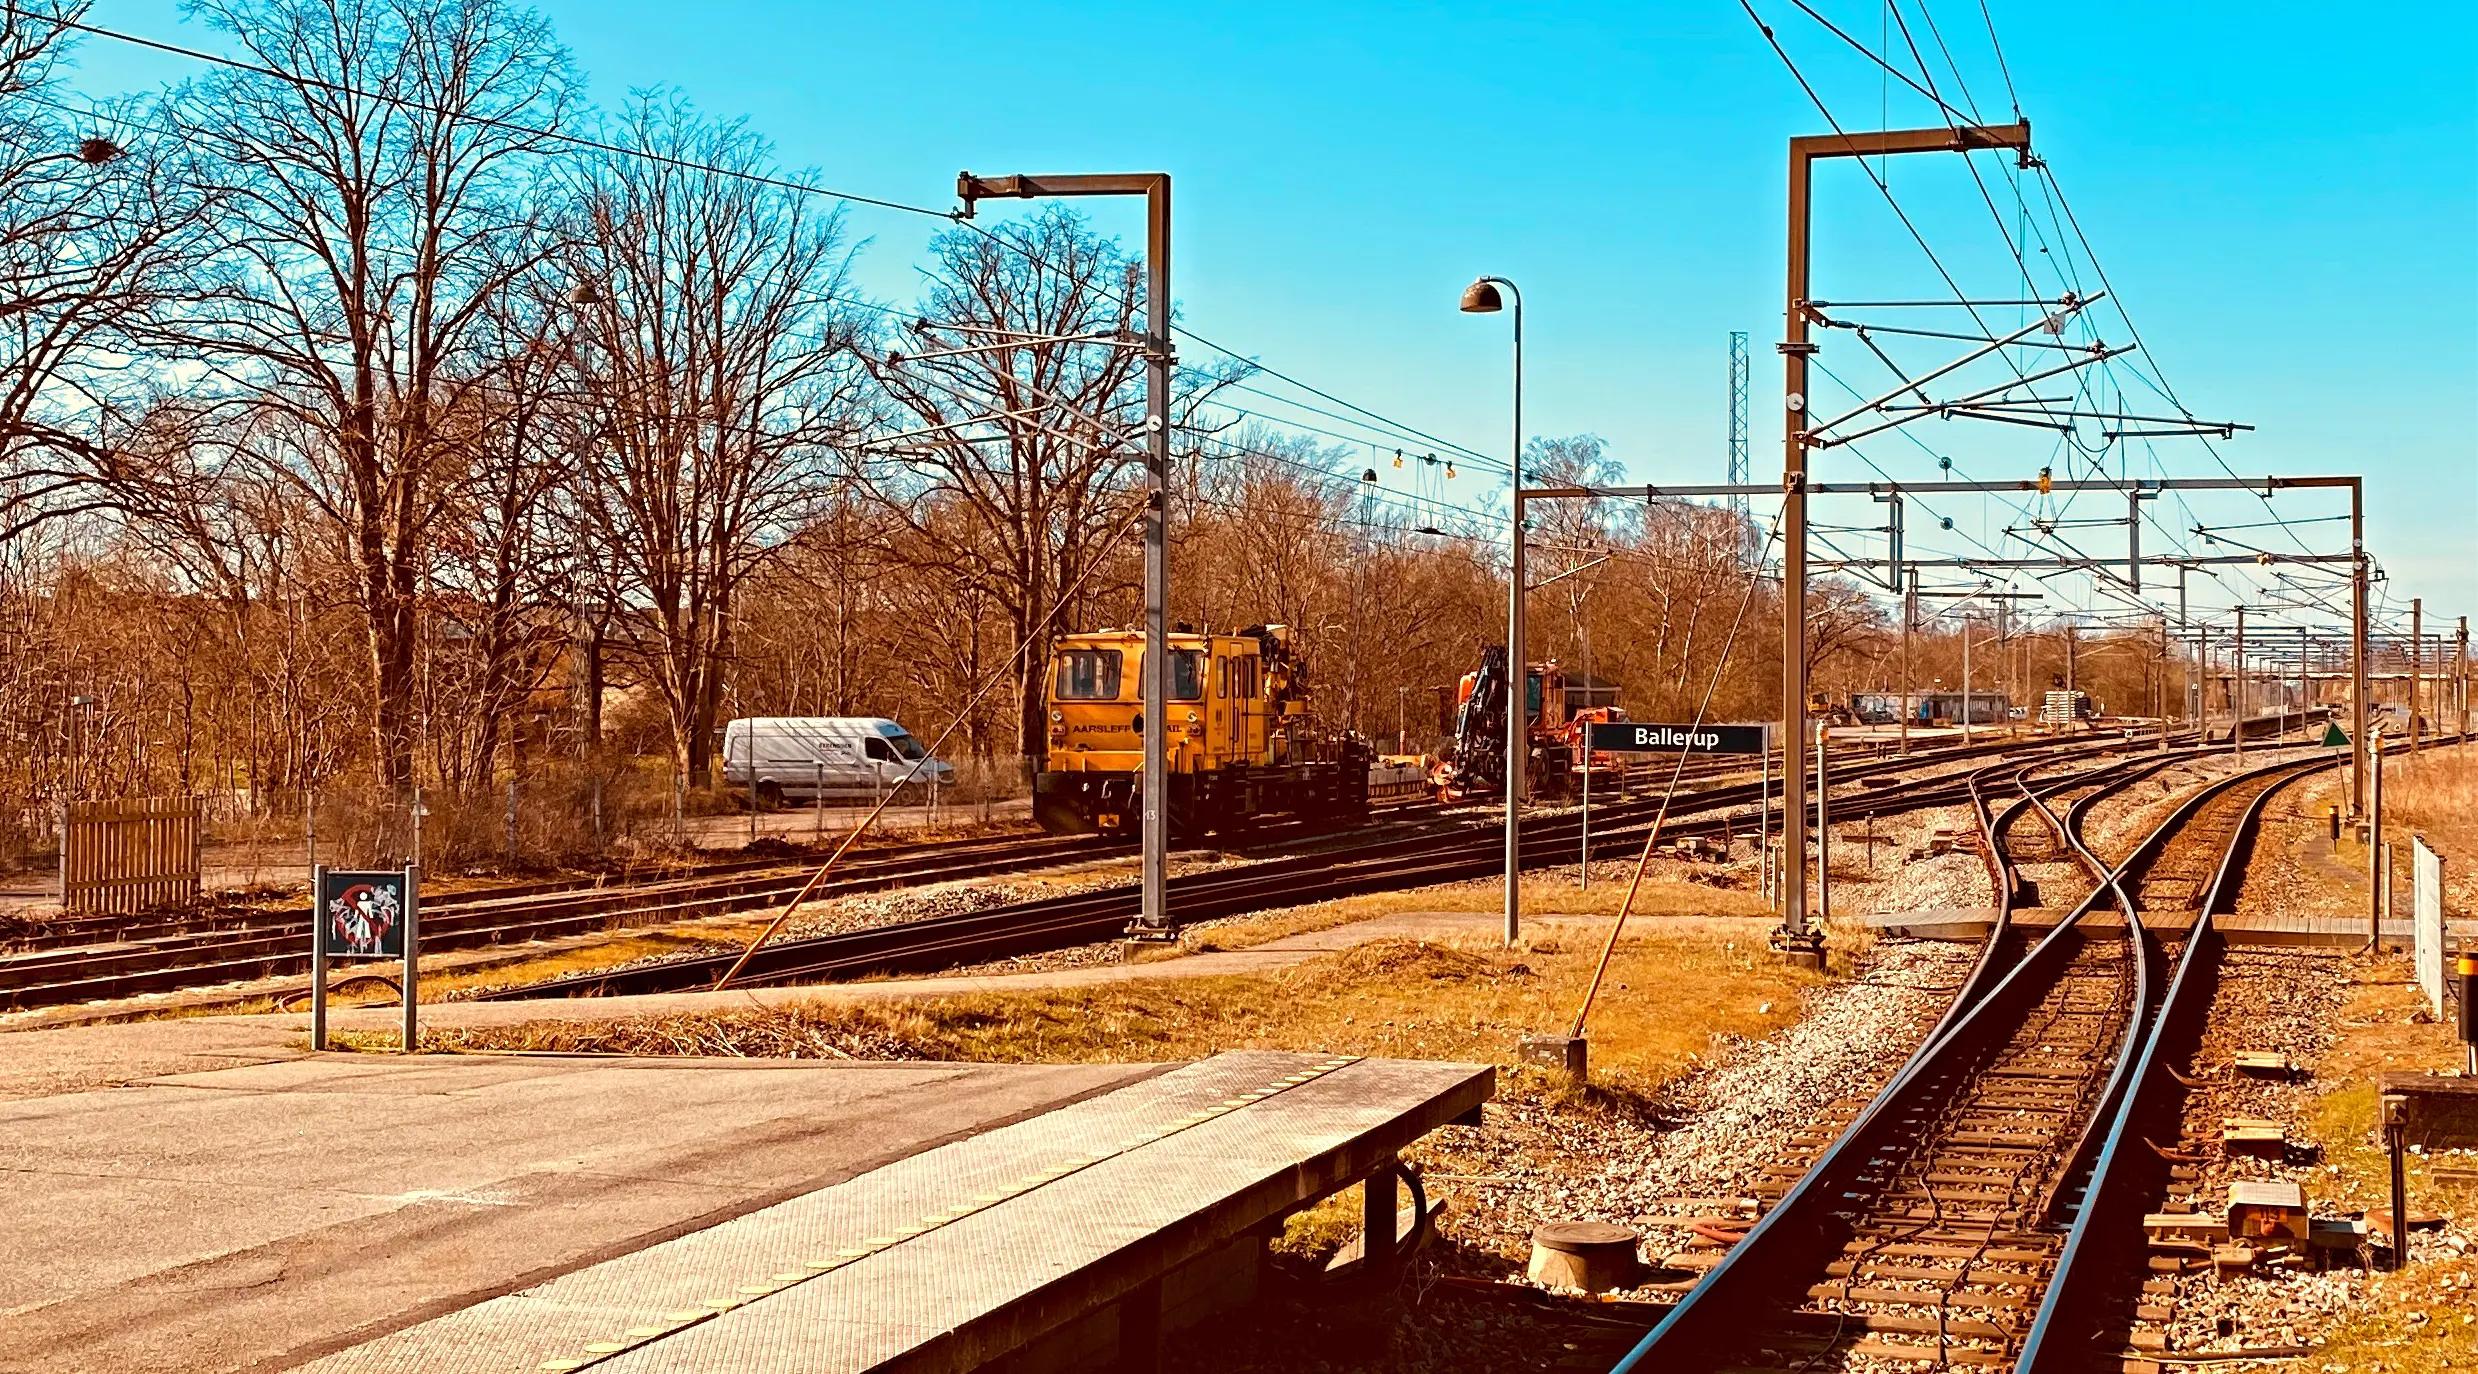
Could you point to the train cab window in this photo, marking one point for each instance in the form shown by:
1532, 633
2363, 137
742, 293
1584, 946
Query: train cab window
1089, 674
1187, 674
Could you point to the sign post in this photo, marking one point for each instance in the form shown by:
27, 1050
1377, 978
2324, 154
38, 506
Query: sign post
363, 915
318, 957
1643, 737
1587, 810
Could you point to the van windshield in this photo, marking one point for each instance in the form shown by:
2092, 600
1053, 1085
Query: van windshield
1088, 674
907, 748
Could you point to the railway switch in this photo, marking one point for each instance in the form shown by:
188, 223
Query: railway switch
2396, 1143
2268, 1211
2465, 992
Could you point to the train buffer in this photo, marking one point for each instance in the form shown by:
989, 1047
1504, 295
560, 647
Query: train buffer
1076, 1239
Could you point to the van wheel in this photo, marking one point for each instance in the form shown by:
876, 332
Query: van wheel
770, 794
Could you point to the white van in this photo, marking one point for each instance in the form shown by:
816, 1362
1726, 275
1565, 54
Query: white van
807, 757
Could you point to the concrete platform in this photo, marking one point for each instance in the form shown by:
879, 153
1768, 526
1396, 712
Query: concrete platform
1066, 1242
242, 1205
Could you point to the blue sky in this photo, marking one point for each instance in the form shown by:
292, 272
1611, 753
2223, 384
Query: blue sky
2283, 195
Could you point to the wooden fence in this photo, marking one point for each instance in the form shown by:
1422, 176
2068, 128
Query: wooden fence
129, 854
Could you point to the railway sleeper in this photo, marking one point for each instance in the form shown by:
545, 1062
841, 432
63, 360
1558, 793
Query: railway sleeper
1968, 1328
1936, 1354
2031, 1249
1919, 1297
1926, 1273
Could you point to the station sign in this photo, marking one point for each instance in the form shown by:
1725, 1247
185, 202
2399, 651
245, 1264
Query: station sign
1644, 737
362, 915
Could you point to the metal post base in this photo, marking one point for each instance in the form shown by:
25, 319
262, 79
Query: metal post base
1139, 932
1804, 948
1566, 1054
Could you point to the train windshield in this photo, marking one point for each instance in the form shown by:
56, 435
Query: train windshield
1088, 674
1187, 674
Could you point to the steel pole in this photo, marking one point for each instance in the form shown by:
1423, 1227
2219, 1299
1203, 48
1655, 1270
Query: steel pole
1794, 351
2374, 849
1966, 680
2160, 698
2417, 660
2460, 673
1823, 834
318, 959
1910, 614
2237, 689
1153, 915
1518, 663
2357, 647
412, 957
1763, 830
2185, 671
1156, 686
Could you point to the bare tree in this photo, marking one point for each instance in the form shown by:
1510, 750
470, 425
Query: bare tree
375, 201
505, 558
718, 369
1576, 535
95, 216
1025, 392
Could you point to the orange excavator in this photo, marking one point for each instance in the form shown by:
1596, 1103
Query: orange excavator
1553, 746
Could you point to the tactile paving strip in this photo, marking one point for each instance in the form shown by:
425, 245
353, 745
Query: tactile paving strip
854, 1275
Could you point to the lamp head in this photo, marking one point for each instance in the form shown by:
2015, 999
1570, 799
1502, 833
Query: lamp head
1481, 298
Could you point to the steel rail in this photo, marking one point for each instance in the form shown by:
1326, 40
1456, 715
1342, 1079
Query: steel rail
2060, 1334
2002, 875
272, 946
2005, 881
2139, 953
1083, 918
1733, 1300
269, 946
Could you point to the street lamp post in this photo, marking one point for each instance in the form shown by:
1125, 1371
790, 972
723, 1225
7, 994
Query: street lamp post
1482, 297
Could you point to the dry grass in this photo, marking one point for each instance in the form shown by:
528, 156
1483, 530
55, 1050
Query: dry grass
2435, 796
622, 948
2421, 1321
2410, 1322
1666, 1000
1544, 896
2383, 1032
2435, 791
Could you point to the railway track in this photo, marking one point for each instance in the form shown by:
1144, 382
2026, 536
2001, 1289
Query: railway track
2102, 1310
1380, 865
741, 884
260, 944
166, 955
1943, 1227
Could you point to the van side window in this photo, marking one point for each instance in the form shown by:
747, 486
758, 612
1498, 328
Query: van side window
1089, 674
878, 749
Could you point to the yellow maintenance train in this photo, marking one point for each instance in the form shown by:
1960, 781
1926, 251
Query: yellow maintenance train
1242, 741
